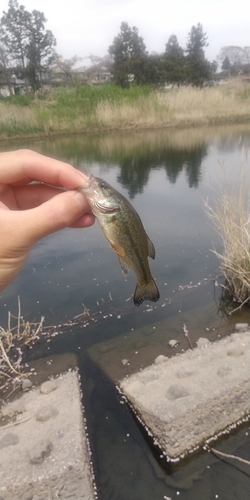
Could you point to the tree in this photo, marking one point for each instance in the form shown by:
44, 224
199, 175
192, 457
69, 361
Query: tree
129, 57
154, 69
25, 40
234, 58
214, 66
66, 65
196, 41
174, 61
14, 32
199, 69
226, 64
39, 48
5, 72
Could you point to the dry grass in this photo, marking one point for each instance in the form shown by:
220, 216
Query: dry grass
14, 119
71, 111
25, 333
11, 340
178, 107
231, 218
206, 105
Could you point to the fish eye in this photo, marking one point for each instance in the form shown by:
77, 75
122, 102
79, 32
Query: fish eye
103, 185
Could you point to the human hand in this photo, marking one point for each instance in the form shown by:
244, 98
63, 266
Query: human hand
30, 211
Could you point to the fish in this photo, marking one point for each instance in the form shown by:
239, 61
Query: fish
124, 230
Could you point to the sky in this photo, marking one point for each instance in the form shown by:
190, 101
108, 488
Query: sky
84, 27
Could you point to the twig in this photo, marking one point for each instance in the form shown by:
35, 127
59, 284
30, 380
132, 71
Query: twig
5, 375
186, 333
7, 359
16, 423
84, 315
239, 307
18, 316
226, 455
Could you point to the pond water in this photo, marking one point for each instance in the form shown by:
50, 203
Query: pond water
166, 175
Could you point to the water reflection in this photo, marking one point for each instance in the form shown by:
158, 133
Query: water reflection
134, 171
136, 155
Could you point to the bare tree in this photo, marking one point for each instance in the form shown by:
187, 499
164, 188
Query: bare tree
66, 65
236, 57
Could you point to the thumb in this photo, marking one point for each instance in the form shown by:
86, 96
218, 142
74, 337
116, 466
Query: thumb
60, 211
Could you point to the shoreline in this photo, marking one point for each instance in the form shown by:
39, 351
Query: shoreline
87, 110
236, 120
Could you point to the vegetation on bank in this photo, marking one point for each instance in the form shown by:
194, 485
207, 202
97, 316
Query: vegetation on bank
79, 109
231, 218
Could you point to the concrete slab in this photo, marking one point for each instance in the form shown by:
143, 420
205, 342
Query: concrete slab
44, 448
189, 398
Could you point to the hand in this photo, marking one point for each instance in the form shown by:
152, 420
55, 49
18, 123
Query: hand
29, 211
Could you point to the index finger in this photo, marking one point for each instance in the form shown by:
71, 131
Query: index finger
24, 166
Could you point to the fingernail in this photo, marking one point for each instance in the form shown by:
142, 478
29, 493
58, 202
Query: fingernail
85, 176
84, 183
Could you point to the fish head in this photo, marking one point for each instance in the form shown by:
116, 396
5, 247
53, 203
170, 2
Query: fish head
101, 196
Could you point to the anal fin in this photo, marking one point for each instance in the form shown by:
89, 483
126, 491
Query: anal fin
124, 267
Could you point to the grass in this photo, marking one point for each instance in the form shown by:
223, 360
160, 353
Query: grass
79, 109
231, 218
180, 107
15, 339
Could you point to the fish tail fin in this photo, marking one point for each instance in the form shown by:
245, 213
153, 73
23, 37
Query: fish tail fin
148, 291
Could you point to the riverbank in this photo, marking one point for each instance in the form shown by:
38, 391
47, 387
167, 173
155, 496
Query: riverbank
108, 108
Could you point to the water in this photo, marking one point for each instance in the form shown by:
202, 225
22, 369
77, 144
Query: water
167, 175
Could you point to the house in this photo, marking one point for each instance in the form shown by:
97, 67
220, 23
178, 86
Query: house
10, 84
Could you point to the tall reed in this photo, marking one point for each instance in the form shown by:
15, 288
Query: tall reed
231, 218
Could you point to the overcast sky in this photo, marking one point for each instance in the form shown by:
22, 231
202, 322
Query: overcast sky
83, 27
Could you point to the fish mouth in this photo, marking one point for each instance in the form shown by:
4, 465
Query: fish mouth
99, 205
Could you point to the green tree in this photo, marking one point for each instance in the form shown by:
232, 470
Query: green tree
129, 57
14, 32
214, 66
174, 61
154, 70
39, 49
5, 71
226, 64
198, 67
24, 38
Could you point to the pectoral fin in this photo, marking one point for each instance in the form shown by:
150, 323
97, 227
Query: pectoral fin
120, 254
119, 250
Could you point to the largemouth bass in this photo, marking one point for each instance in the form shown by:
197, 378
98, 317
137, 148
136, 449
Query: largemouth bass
123, 228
